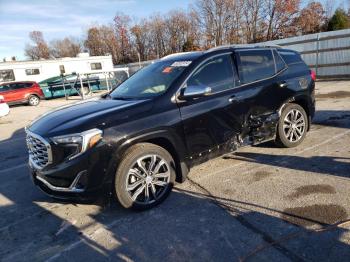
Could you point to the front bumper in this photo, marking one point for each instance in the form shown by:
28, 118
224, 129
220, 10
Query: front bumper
80, 178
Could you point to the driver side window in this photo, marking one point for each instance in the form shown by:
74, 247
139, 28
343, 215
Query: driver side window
216, 73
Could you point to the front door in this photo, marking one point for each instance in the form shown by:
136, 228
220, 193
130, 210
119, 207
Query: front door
6, 92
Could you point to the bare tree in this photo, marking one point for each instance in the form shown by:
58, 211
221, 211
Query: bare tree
280, 16
311, 18
101, 40
158, 35
253, 20
141, 39
329, 8
208, 23
40, 49
122, 31
215, 17
67, 47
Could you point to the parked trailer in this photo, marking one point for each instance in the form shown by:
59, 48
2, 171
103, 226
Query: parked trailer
43, 69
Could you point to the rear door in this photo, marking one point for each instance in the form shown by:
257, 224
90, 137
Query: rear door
260, 73
20, 91
211, 123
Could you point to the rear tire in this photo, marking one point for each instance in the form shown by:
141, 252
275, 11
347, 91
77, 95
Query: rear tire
33, 100
145, 176
292, 126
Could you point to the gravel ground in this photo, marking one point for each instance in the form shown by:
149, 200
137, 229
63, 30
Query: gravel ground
261, 203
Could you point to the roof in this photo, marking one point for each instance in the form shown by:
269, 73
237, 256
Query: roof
238, 46
195, 54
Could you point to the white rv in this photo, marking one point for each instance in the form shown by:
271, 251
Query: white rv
44, 69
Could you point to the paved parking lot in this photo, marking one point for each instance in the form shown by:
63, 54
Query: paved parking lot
262, 203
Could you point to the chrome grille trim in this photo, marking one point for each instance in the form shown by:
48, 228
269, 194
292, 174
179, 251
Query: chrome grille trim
39, 150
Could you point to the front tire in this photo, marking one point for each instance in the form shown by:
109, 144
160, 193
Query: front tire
145, 176
292, 126
33, 100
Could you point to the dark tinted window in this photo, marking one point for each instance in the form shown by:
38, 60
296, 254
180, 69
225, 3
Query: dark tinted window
7, 75
4, 88
96, 66
32, 71
216, 73
290, 57
280, 64
255, 65
20, 85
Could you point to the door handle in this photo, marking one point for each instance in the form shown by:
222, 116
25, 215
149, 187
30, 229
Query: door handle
232, 99
283, 84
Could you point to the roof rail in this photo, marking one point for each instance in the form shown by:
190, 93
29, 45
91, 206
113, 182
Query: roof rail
177, 54
257, 45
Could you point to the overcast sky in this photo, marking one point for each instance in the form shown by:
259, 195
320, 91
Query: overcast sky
60, 18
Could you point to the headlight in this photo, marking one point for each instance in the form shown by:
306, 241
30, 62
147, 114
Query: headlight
76, 144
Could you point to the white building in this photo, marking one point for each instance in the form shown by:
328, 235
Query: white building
43, 69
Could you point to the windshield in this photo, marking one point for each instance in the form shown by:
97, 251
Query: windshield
151, 81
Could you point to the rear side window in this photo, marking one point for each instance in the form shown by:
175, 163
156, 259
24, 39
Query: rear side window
290, 57
20, 85
32, 71
217, 73
96, 66
280, 64
255, 65
7, 75
4, 88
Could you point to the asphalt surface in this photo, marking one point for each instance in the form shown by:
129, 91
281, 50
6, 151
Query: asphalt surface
261, 203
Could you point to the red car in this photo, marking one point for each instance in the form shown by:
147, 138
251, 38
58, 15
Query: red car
21, 93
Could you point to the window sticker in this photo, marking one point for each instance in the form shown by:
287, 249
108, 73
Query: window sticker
181, 63
167, 70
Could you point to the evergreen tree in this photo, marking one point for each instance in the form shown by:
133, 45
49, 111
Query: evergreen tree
339, 20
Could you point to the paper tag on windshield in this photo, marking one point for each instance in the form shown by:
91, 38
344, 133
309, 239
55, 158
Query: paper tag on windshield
167, 70
181, 63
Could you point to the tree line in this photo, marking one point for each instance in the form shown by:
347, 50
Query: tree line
205, 24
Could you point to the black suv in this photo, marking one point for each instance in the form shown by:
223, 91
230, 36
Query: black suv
186, 108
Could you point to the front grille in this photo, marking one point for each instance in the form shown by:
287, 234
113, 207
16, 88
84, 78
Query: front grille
39, 151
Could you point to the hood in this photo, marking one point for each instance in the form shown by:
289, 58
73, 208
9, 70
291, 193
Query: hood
99, 113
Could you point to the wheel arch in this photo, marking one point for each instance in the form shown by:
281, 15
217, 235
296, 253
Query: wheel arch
180, 167
301, 101
160, 138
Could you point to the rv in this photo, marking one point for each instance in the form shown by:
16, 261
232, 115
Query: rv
43, 69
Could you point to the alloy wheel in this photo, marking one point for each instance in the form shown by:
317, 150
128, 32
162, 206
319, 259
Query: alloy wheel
294, 125
148, 179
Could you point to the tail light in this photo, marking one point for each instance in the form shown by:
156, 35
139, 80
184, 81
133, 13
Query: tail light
313, 75
2, 99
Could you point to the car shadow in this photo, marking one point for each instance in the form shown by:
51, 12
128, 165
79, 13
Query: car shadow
187, 227
336, 166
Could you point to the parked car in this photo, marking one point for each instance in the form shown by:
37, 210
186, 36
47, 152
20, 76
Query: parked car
4, 108
27, 92
171, 115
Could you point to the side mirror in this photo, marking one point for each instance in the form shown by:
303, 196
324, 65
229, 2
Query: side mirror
195, 91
